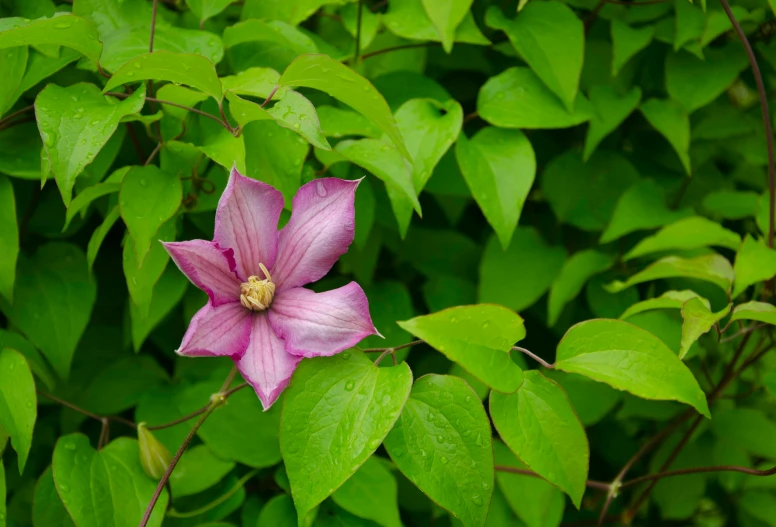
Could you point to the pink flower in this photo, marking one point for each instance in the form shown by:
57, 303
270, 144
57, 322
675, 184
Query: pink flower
257, 312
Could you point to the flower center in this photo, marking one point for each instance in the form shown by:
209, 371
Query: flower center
256, 294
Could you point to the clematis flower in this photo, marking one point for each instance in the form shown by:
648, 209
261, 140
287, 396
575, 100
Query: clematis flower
257, 312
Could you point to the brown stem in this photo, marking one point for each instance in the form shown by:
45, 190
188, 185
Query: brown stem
594, 14
534, 357
170, 103
153, 26
397, 48
590, 483
698, 470
758, 79
153, 153
395, 348
135, 142
101, 418
271, 94
5, 120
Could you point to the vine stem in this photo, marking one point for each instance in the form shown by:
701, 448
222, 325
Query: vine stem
601, 485
758, 79
698, 470
170, 103
534, 357
216, 400
101, 418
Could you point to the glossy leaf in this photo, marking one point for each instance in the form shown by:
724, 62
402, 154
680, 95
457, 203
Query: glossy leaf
18, 402
84, 198
342, 83
12, 70
197, 470
601, 348
142, 277
499, 167
516, 98
695, 82
47, 507
627, 41
576, 271
668, 300
442, 443
336, 413
9, 239
477, 337
273, 155
181, 68
148, 198
205, 9
113, 473
710, 268
551, 39
753, 310
272, 31
167, 293
63, 30
539, 425
75, 123
698, 320
409, 19
371, 493
671, 120
60, 270
755, 262
690, 233
446, 16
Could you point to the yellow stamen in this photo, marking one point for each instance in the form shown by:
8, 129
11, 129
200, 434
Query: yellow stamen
256, 294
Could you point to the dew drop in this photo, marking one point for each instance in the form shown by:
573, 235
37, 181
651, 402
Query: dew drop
137, 65
346, 355
444, 460
70, 446
297, 126
468, 398
62, 25
374, 443
320, 188
63, 487
386, 399
350, 385
485, 486
422, 453
477, 500
441, 439
143, 182
478, 441
29, 404
78, 116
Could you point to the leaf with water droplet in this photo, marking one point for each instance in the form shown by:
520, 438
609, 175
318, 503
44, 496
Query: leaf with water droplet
17, 402
371, 493
335, 428
113, 473
69, 153
451, 474
64, 30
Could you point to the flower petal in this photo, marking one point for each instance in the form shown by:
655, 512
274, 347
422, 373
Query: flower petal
266, 365
247, 222
208, 267
320, 230
217, 331
321, 324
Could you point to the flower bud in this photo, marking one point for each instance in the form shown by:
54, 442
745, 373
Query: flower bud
154, 456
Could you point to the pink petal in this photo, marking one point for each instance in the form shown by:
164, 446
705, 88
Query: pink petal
217, 331
321, 324
208, 267
320, 230
247, 222
266, 365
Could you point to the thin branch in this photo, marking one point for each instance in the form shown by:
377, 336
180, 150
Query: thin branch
170, 103
153, 26
758, 79
398, 48
8, 118
153, 153
470, 117
698, 470
86, 412
753, 327
534, 357
135, 142
588, 22
271, 94
395, 348
590, 483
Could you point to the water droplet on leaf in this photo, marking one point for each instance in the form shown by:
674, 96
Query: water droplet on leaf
350, 385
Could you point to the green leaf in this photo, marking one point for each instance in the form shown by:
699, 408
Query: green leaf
336, 413
59, 270
371, 493
12, 70
40, 67
626, 42
551, 39
536, 502
516, 98
328, 75
478, 337
688, 24
442, 443
539, 425
63, 30
75, 123
9, 238
731, 205
256, 82
167, 293
690, 233
755, 262
668, 300
698, 320
275, 156
695, 82
446, 15
278, 512
591, 400
574, 274
409, 19
148, 198
84, 198
205, 9
385, 162
642, 206
99, 235
18, 402
759, 311
105, 488
609, 111
293, 111
181, 68
197, 470
748, 428
599, 348
47, 507
120, 386
499, 167
519, 276
141, 278
709, 267
338, 122
37, 363
672, 121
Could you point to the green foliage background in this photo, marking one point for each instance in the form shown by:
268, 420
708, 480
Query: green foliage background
598, 163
